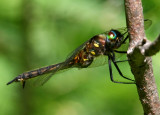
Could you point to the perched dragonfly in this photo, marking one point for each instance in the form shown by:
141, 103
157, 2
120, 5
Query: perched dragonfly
105, 44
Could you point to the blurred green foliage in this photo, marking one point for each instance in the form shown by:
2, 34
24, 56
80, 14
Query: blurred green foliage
36, 33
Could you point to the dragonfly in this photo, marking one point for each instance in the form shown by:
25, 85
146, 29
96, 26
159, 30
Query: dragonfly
105, 44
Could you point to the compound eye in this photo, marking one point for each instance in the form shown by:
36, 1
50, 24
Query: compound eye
111, 35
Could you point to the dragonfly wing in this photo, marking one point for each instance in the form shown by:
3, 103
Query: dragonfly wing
103, 59
99, 61
65, 65
76, 51
42, 79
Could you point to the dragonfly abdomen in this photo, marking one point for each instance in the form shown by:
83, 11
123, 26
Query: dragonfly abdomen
40, 71
31, 74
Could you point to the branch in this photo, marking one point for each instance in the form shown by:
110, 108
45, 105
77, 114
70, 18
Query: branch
141, 66
152, 48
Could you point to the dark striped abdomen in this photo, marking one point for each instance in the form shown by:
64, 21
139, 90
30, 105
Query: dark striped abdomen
40, 71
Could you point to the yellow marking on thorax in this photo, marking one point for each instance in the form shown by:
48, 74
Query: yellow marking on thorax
93, 53
77, 57
85, 59
96, 45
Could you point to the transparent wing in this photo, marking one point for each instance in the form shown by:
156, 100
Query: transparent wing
76, 51
99, 61
44, 78
41, 79
103, 59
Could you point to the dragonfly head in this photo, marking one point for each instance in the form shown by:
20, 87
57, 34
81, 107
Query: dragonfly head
114, 39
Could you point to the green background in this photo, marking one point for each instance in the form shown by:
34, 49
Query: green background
37, 33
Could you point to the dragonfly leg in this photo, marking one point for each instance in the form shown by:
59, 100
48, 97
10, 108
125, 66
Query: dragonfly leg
118, 61
120, 51
119, 71
111, 75
121, 61
23, 84
125, 39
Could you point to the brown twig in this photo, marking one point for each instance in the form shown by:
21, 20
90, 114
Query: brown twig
152, 48
141, 65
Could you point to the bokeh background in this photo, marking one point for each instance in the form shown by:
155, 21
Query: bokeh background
37, 33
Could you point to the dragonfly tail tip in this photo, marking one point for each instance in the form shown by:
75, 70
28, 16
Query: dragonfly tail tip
11, 81
8, 83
